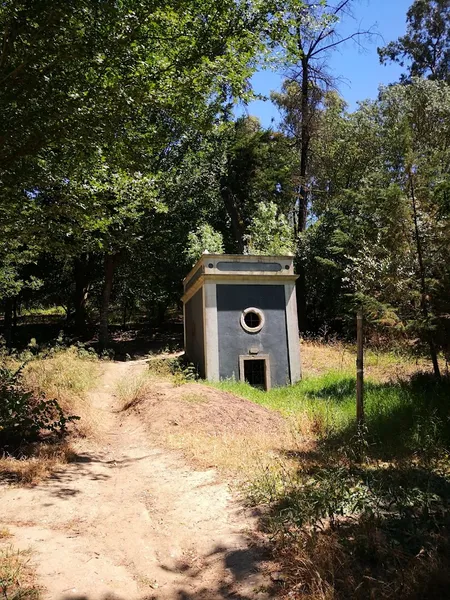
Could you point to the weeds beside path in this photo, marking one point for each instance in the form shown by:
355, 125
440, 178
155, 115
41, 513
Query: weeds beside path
129, 519
363, 513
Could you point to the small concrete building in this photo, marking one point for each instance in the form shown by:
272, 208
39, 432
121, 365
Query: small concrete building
240, 319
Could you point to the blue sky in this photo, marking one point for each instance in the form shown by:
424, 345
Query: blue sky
359, 72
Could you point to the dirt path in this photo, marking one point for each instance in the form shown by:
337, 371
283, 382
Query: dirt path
132, 521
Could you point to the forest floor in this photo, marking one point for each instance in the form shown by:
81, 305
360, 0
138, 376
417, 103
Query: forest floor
127, 519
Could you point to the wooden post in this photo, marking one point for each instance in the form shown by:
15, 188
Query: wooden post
359, 369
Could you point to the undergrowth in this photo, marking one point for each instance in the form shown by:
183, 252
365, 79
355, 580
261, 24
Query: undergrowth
399, 414
176, 369
30, 463
25, 415
67, 375
40, 400
16, 575
359, 513
130, 392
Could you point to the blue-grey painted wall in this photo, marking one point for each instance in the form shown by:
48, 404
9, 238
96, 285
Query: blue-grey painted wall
235, 341
195, 350
248, 266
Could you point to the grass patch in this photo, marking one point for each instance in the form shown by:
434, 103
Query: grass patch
67, 376
358, 514
400, 416
64, 372
243, 456
194, 398
319, 358
43, 311
17, 578
35, 462
342, 529
176, 369
64, 376
130, 392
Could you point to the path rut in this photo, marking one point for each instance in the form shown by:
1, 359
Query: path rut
131, 521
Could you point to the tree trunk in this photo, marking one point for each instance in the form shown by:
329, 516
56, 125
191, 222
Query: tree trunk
303, 195
161, 313
360, 369
81, 293
8, 321
110, 263
15, 312
124, 314
304, 149
300, 288
237, 224
423, 285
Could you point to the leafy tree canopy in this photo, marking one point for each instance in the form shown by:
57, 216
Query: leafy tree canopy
425, 48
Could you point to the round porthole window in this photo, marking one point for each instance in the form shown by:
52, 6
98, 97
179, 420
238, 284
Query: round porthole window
252, 320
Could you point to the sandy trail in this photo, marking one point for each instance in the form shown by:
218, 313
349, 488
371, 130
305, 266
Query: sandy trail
132, 521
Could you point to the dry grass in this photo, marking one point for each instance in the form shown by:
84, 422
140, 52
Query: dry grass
193, 397
211, 428
319, 358
160, 367
17, 577
360, 563
241, 455
67, 377
39, 461
130, 392
339, 555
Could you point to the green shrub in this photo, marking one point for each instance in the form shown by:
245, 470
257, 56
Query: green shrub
23, 414
180, 371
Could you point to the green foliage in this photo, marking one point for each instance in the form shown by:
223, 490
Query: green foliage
425, 48
376, 239
359, 513
204, 239
98, 104
258, 168
178, 369
269, 232
75, 75
324, 496
23, 416
403, 418
357, 530
134, 166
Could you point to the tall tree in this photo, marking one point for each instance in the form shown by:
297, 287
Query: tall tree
305, 33
92, 86
425, 48
383, 236
258, 168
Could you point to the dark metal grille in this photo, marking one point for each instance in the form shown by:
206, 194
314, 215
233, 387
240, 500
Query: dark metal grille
252, 320
255, 373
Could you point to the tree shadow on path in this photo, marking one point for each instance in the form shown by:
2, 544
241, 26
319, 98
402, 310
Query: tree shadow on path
241, 579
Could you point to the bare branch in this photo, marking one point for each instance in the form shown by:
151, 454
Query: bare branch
322, 36
341, 6
353, 36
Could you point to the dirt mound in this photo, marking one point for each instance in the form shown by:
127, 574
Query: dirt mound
197, 407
